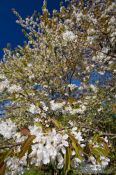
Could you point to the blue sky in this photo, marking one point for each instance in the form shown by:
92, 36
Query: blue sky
10, 32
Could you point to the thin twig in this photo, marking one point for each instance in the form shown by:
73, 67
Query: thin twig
10, 146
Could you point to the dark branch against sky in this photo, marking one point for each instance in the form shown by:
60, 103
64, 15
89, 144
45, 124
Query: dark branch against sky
10, 32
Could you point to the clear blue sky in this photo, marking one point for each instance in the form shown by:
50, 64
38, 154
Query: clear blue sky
10, 32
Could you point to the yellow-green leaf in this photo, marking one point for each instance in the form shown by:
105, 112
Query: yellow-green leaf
67, 160
26, 145
78, 149
99, 151
57, 123
4, 155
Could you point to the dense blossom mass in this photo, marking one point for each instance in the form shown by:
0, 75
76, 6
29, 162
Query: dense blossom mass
46, 147
56, 118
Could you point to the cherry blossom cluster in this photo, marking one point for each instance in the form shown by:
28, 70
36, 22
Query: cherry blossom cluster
46, 148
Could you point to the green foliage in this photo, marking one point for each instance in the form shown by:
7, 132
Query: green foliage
67, 161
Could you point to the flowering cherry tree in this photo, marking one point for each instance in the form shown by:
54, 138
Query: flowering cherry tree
52, 121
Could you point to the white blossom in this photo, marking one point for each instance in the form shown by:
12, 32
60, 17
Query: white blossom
76, 162
3, 84
93, 87
90, 39
34, 109
69, 36
14, 88
47, 146
45, 108
60, 161
106, 139
15, 165
104, 161
56, 106
101, 72
92, 159
78, 16
7, 128
77, 135
90, 31
72, 86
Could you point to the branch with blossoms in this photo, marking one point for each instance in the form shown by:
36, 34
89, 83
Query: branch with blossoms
47, 147
25, 132
55, 114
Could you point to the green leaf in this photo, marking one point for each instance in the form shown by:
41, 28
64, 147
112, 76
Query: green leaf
26, 145
67, 160
76, 146
99, 151
38, 124
4, 155
57, 123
